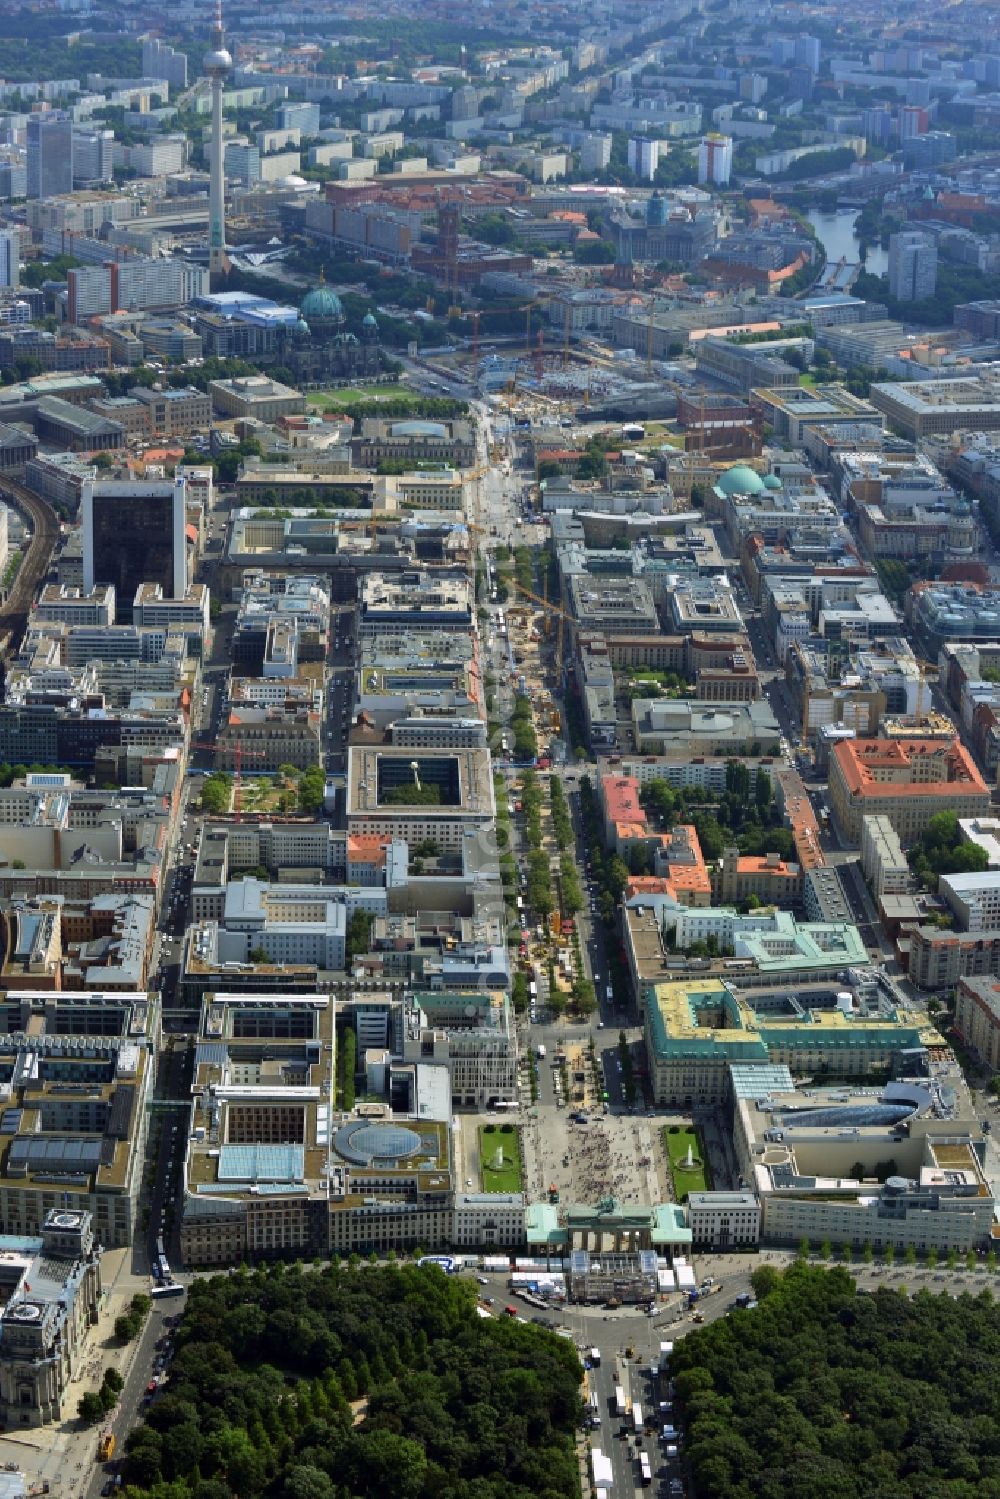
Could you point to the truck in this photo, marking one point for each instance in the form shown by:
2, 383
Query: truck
540, 1051
106, 1446
637, 1418
621, 1406
666, 1349
645, 1471
595, 1358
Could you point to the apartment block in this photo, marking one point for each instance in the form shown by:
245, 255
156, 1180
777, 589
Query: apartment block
977, 1018
882, 859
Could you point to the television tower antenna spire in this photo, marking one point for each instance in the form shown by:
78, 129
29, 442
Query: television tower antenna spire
217, 65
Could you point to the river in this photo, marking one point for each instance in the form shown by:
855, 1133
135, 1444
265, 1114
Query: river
836, 230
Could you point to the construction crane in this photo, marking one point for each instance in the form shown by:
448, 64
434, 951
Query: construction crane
548, 608
538, 357
239, 754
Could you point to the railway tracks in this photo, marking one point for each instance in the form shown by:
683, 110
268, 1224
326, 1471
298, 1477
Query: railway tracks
45, 531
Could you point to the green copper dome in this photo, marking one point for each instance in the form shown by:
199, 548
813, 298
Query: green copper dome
321, 303
771, 481
741, 480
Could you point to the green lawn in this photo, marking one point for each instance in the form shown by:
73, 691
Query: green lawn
351, 395
507, 1177
261, 794
694, 1179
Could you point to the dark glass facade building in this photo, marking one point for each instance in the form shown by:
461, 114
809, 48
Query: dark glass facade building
133, 533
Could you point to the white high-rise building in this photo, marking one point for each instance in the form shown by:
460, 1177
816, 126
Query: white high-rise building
808, 52
242, 162
912, 266
93, 156
161, 61
10, 270
643, 156
50, 154
595, 152
715, 160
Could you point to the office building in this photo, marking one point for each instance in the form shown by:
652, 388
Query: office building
817, 1160
414, 796
242, 163
696, 1029
974, 899
471, 1033
715, 160
907, 781
10, 269
934, 408
78, 1127
93, 156
912, 266
643, 157
270, 1173
298, 116
724, 1220
133, 533
50, 155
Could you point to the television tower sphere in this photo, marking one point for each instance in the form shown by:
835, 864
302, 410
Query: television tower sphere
217, 62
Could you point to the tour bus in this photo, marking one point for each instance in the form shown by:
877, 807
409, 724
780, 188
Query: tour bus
171, 1288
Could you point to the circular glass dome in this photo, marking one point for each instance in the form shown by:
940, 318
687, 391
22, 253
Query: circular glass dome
364, 1143
741, 480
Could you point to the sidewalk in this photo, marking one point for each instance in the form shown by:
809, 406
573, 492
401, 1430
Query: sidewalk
63, 1453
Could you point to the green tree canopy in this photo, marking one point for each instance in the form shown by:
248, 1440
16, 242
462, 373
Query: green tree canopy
455, 1404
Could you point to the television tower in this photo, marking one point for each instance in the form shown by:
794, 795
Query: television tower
217, 65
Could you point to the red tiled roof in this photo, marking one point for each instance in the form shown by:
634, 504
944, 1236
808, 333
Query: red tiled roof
862, 763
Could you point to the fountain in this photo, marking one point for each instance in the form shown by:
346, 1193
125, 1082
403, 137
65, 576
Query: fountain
688, 1162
